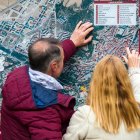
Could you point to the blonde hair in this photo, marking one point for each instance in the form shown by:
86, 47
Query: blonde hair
111, 96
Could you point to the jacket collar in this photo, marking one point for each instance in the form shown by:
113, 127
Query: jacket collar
44, 80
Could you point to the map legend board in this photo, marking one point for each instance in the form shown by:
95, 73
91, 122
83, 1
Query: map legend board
115, 14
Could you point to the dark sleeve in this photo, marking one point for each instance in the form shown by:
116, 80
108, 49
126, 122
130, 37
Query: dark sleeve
69, 111
69, 49
69, 114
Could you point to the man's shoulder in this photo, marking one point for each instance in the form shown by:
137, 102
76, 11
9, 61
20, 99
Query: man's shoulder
17, 73
66, 100
19, 70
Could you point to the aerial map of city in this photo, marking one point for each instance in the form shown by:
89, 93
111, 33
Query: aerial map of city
28, 20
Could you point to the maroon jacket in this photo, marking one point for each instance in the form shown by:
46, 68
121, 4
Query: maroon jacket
22, 119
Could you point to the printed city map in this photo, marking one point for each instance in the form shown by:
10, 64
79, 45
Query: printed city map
27, 20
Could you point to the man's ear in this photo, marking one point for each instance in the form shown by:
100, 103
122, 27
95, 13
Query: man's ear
54, 66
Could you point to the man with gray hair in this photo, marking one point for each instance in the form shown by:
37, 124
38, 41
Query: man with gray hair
33, 106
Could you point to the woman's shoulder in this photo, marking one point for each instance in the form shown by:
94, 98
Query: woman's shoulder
84, 108
86, 111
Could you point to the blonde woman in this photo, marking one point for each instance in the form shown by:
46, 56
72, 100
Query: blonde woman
111, 113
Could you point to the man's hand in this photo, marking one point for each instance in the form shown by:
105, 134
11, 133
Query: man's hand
79, 34
133, 58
